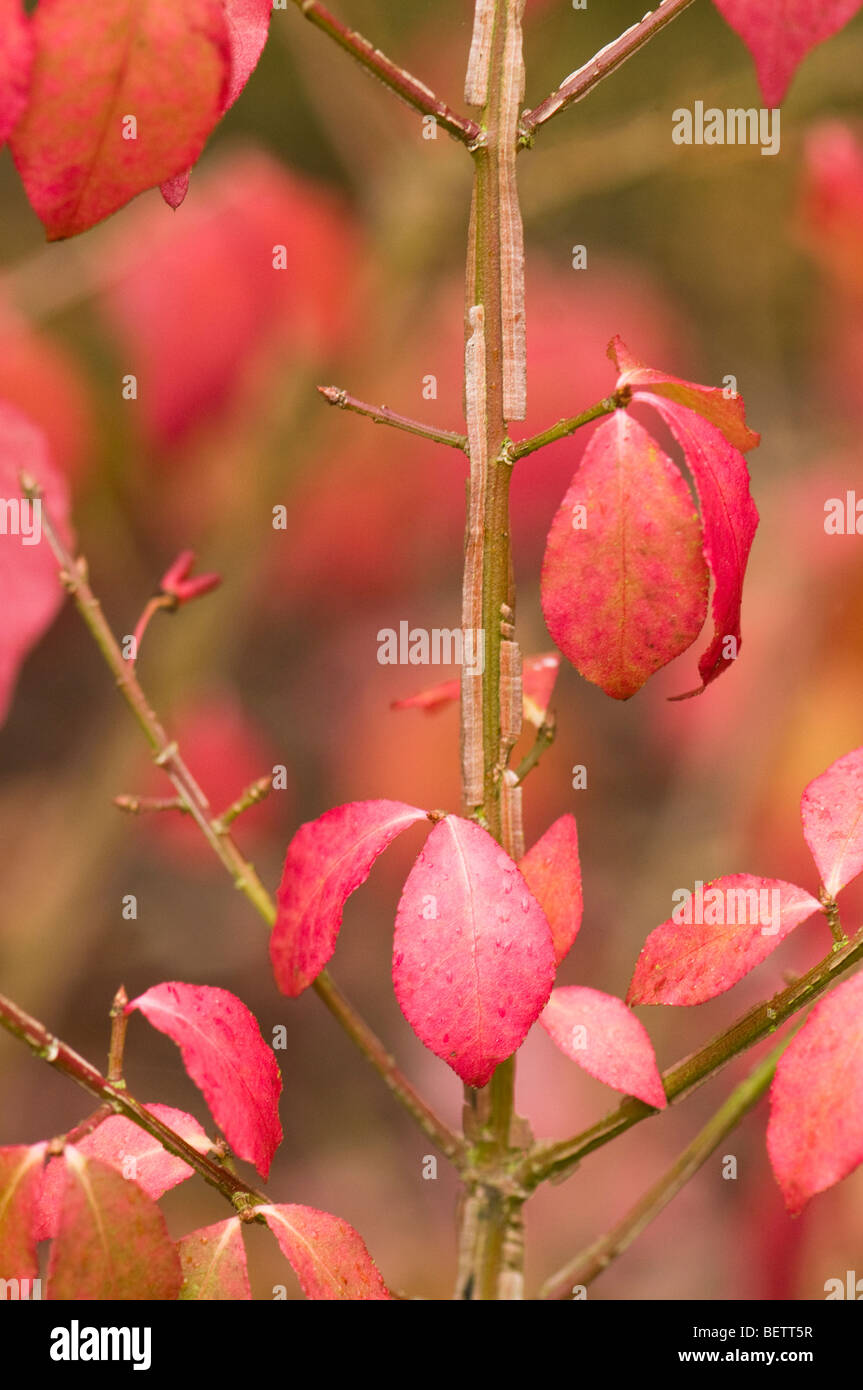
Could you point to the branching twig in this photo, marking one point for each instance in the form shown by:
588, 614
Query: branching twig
590, 1263
606, 61
62, 1057
382, 415
409, 88
167, 755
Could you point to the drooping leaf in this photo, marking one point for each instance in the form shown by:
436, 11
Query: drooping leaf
715, 937
163, 64
729, 518
779, 34
552, 871
327, 1255
214, 1264
727, 413
815, 1133
20, 1176
29, 581
624, 583
132, 1151
327, 860
473, 957
226, 1057
17, 51
112, 1241
832, 810
600, 1033
247, 24
538, 678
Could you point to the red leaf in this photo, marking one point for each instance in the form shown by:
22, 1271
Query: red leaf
326, 1254
20, 1176
832, 809
815, 1133
29, 581
552, 871
227, 1058
133, 1152
729, 518
728, 414
163, 62
247, 24
624, 584
327, 860
538, 678
17, 51
473, 959
705, 948
214, 1264
779, 34
112, 1242
599, 1032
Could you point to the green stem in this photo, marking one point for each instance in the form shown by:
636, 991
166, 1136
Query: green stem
522, 447
558, 1160
491, 1237
590, 1263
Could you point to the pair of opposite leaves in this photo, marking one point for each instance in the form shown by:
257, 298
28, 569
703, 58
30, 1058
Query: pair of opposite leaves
72, 74
478, 940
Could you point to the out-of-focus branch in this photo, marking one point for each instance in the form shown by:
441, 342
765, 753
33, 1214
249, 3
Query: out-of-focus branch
590, 1263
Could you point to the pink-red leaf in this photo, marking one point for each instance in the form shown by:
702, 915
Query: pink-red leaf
815, 1134
247, 24
624, 583
552, 871
20, 1176
17, 51
327, 1255
112, 1241
729, 518
473, 958
727, 413
133, 1152
327, 860
162, 63
214, 1264
29, 581
538, 678
600, 1033
227, 1058
715, 937
832, 809
779, 34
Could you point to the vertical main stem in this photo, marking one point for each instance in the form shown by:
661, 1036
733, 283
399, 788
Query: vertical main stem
491, 1247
